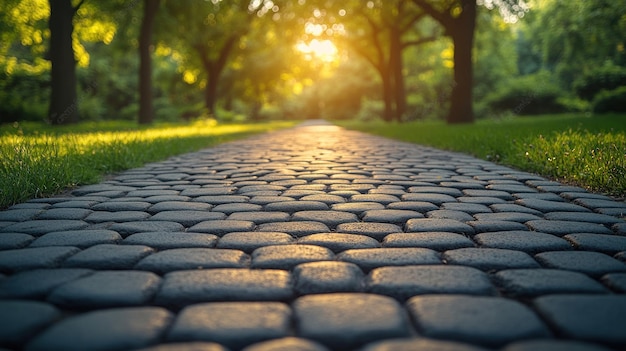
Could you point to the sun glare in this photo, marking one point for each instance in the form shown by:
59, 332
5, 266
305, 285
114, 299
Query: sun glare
323, 50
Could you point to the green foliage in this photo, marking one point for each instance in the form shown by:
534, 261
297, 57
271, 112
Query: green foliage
24, 92
588, 151
527, 95
610, 101
607, 77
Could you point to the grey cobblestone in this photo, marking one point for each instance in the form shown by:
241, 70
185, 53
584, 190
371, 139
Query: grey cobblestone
34, 258
178, 206
410, 344
550, 206
118, 216
10, 241
450, 214
553, 345
609, 244
405, 282
21, 320
567, 227
250, 241
327, 277
377, 231
127, 328
295, 206
488, 321
538, 282
594, 264
438, 225
598, 319
65, 213
193, 258
489, 259
128, 228
433, 198
117, 206
615, 281
349, 226
221, 227
234, 325
260, 217
506, 216
530, 242
438, 241
171, 240
186, 346
106, 289
36, 284
288, 256
338, 242
78, 238
108, 256
286, 344
368, 259
41, 227
330, 218
187, 218
296, 228
347, 320
183, 288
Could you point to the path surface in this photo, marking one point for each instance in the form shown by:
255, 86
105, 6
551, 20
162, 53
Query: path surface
316, 238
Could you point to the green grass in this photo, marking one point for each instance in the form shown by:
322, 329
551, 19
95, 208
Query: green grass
38, 160
588, 151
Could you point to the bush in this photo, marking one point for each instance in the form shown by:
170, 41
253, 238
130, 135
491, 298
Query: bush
608, 77
527, 95
24, 94
610, 101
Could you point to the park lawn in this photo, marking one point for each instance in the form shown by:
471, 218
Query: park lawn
37, 160
589, 151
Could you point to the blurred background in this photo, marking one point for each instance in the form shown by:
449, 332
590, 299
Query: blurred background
258, 60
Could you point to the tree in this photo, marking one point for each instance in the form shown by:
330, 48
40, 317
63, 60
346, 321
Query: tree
574, 37
458, 18
63, 98
380, 32
146, 114
208, 33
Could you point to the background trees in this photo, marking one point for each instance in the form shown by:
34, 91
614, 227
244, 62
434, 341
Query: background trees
257, 59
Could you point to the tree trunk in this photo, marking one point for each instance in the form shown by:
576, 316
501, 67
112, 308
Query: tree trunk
146, 113
389, 112
396, 67
210, 91
63, 108
461, 106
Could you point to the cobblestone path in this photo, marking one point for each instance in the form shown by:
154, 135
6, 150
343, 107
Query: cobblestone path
316, 238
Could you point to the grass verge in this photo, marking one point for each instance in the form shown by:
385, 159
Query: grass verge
37, 161
588, 151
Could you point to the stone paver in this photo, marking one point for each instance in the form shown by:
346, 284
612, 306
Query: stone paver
126, 328
488, 321
346, 320
589, 318
233, 325
315, 238
107, 289
405, 282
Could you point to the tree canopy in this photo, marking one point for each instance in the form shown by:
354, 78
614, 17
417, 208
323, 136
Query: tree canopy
397, 60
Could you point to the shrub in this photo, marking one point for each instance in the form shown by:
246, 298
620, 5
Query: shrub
23, 94
607, 77
527, 95
610, 101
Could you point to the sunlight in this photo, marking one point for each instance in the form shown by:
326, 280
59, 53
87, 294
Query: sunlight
323, 50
